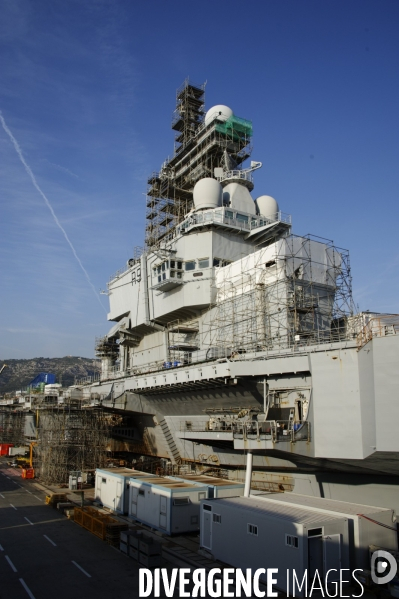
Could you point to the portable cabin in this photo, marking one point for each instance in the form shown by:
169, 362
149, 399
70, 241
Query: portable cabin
112, 487
368, 525
246, 532
169, 505
217, 487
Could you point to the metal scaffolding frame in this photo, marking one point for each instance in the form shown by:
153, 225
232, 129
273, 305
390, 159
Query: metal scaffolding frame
199, 149
282, 303
12, 426
70, 439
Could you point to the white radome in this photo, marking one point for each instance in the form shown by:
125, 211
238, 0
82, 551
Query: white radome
207, 194
267, 206
221, 112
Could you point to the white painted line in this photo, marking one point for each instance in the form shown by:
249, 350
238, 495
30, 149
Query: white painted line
8, 478
27, 519
27, 589
11, 564
2, 496
1, 548
49, 540
28, 491
13, 506
37, 497
14, 482
80, 568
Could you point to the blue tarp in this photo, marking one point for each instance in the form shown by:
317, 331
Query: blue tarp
44, 377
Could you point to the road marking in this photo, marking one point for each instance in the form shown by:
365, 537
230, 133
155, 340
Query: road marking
8, 478
14, 482
13, 506
27, 589
1, 548
49, 540
2, 496
80, 568
37, 497
11, 564
27, 519
28, 491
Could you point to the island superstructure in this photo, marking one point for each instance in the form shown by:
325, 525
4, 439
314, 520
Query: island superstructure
232, 335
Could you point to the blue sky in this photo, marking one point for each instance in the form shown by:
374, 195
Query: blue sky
88, 90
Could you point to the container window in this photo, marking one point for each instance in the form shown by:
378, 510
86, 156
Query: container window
141, 492
207, 508
180, 265
181, 501
172, 264
158, 269
315, 532
163, 266
252, 529
291, 541
190, 265
103, 480
203, 263
217, 518
173, 274
201, 496
228, 214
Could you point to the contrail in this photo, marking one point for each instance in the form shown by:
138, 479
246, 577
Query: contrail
49, 206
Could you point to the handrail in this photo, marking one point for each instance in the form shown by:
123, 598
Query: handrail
378, 326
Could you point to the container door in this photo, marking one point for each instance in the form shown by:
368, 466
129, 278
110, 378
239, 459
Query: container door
133, 505
315, 556
118, 498
207, 529
98, 487
332, 556
162, 512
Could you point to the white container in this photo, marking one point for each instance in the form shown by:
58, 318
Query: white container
245, 532
367, 524
112, 487
166, 504
216, 487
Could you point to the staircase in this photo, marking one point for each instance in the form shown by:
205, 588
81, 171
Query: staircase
173, 451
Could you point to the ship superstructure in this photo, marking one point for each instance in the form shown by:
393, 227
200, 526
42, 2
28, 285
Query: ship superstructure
231, 334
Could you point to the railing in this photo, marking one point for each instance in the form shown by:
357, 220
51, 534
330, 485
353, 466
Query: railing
233, 218
274, 430
381, 326
237, 174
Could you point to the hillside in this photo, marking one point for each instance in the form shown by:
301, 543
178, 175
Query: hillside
20, 372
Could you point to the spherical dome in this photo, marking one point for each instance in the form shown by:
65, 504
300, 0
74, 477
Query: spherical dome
207, 193
267, 206
221, 112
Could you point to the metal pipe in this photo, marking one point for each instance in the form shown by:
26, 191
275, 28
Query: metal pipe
248, 475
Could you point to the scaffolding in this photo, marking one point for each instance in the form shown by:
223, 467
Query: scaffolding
297, 291
70, 439
199, 149
12, 427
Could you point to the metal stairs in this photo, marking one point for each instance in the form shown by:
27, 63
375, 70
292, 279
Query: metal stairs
174, 452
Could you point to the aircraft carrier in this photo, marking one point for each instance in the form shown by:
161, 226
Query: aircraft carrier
232, 335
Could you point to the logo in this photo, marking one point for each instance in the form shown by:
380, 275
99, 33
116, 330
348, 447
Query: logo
383, 567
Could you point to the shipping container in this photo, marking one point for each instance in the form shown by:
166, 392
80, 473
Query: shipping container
245, 532
217, 487
368, 525
166, 504
112, 487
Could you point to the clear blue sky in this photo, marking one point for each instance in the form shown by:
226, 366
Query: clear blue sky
88, 89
